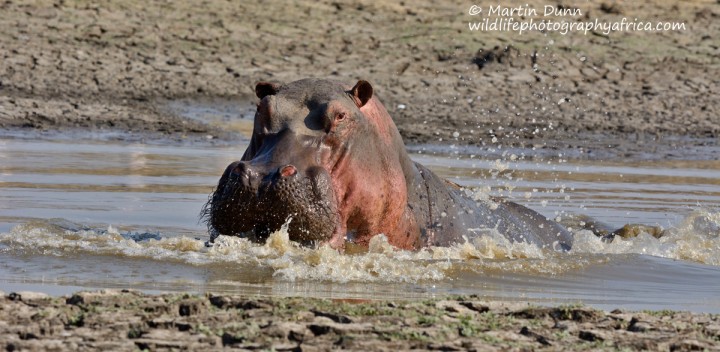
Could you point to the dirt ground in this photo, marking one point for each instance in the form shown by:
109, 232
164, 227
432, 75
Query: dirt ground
104, 65
107, 65
128, 321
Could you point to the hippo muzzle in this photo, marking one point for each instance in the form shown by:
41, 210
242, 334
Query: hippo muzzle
256, 197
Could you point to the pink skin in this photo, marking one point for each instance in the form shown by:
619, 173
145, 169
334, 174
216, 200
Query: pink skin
344, 172
361, 155
372, 199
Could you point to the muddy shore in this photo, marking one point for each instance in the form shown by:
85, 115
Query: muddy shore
128, 320
81, 67
100, 66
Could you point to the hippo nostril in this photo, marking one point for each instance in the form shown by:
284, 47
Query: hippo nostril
288, 170
239, 169
242, 170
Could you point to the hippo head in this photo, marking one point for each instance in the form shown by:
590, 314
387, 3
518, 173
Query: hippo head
323, 153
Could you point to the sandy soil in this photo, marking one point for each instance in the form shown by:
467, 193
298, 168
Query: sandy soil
103, 65
127, 320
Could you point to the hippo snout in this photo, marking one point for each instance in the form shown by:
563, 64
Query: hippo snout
258, 199
243, 171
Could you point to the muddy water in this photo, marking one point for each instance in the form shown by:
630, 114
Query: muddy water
92, 214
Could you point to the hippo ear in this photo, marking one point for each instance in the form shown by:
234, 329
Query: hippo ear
362, 92
263, 89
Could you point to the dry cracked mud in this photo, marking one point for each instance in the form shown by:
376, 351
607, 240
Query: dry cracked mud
129, 320
105, 65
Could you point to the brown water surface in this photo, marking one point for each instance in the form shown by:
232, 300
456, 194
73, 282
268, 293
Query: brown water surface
99, 213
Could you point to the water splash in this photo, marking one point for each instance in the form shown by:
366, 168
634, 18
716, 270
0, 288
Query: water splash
696, 239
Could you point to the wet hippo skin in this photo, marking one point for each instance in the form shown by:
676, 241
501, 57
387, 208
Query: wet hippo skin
329, 155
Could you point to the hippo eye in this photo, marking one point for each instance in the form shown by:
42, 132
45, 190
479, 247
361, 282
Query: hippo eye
340, 116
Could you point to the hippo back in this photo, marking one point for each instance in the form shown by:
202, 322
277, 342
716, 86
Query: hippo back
452, 215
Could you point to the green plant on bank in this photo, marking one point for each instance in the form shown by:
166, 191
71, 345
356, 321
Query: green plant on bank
467, 327
134, 333
597, 345
561, 335
283, 306
404, 335
246, 330
534, 323
77, 320
42, 314
493, 340
660, 313
427, 320
204, 329
102, 309
567, 310
491, 320
360, 309
415, 335
172, 299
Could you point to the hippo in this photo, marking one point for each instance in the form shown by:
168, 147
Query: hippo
329, 157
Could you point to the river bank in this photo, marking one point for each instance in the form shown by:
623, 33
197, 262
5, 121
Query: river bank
129, 320
94, 66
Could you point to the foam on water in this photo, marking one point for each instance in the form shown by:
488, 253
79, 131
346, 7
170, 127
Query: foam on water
697, 239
